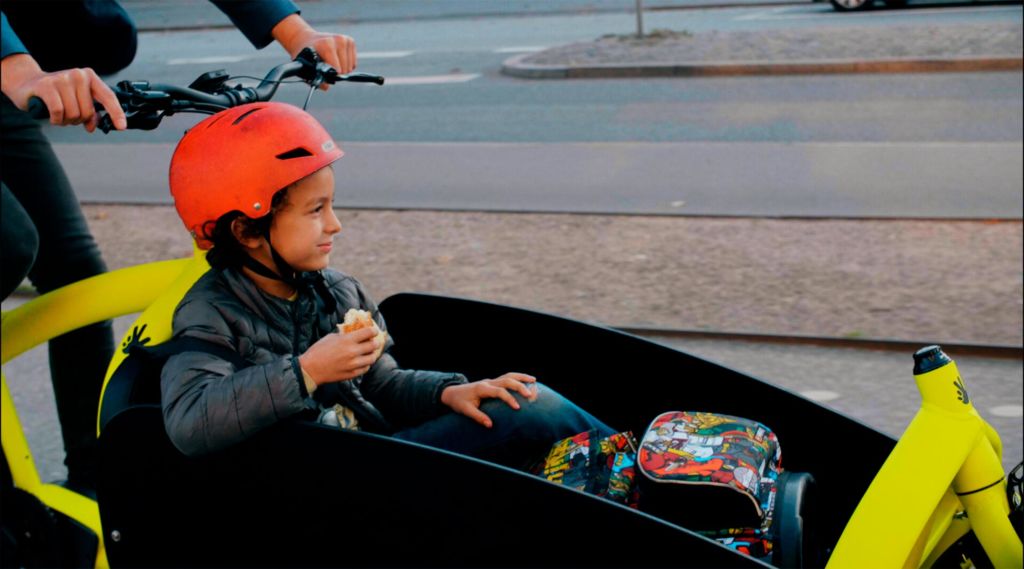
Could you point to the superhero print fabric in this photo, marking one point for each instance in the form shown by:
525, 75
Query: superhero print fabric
604, 467
709, 471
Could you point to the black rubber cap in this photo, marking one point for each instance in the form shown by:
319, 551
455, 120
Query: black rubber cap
929, 358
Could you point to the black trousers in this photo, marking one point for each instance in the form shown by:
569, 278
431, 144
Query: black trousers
45, 237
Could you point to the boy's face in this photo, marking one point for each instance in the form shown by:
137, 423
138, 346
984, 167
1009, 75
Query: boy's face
304, 227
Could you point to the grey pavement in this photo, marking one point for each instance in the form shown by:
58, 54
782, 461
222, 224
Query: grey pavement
923, 281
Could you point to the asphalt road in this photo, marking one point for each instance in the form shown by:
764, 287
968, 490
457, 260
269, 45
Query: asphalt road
812, 180
172, 14
469, 138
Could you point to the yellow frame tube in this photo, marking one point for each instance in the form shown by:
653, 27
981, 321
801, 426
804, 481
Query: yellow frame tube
949, 524
888, 523
983, 494
92, 300
141, 288
157, 317
15, 445
26, 476
905, 513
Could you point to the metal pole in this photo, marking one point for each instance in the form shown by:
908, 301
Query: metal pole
639, 18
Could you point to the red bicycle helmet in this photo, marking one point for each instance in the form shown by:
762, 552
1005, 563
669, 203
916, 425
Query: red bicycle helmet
239, 158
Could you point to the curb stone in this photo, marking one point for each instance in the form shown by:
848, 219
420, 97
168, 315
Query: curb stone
516, 67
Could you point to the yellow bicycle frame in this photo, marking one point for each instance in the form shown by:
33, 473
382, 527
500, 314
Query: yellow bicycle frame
153, 289
945, 472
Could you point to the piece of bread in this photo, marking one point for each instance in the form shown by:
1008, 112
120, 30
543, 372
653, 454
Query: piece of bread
356, 319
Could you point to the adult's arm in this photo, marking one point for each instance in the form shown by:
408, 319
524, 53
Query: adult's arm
10, 43
257, 18
68, 93
264, 21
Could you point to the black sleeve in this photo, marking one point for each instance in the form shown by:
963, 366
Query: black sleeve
255, 18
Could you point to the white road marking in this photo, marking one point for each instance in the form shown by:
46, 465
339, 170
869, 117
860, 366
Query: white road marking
520, 49
431, 79
1008, 411
760, 14
383, 54
820, 395
205, 60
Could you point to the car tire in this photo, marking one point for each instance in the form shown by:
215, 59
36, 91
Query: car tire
851, 5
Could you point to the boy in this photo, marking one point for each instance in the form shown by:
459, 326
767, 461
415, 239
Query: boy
255, 186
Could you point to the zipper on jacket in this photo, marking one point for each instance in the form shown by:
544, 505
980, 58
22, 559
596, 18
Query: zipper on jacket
295, 326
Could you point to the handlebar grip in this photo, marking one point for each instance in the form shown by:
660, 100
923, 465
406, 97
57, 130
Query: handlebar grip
37, 109
362, 78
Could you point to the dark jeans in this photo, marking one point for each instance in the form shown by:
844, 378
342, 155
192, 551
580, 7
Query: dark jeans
45, 237
516, 438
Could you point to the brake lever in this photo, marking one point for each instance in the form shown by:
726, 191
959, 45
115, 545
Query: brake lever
143, 109
315, 71
137, 120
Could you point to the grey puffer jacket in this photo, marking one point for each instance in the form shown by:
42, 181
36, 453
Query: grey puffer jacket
208, 404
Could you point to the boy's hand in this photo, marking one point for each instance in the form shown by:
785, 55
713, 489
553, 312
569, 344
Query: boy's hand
466, 399
339, 357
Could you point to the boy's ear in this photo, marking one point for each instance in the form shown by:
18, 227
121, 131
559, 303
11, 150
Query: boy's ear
244, 235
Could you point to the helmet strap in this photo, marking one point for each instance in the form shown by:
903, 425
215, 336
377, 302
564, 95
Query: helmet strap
259, 268
290, 276
286, 272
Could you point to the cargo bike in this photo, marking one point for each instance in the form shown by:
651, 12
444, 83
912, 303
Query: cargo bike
304, 494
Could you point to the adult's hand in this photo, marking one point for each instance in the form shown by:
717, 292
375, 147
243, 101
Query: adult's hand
68, 93
336, 50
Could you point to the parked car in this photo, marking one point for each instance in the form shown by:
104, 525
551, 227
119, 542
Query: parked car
855, 5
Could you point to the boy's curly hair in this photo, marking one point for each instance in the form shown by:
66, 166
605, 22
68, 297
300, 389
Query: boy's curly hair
227, 252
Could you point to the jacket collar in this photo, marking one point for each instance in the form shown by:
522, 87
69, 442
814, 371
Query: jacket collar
309, 286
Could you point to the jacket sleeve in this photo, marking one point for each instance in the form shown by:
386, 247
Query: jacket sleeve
406, 397
10, 44
255, 18
208, 404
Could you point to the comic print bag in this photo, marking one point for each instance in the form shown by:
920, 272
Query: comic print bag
601, 466
709, 472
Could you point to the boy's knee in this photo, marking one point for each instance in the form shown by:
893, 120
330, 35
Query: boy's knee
548, 402
551, 416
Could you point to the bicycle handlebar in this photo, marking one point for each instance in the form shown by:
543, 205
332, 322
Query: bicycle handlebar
146, 104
